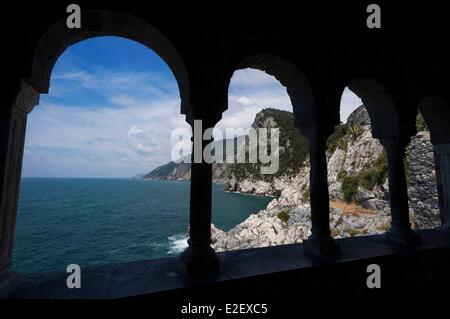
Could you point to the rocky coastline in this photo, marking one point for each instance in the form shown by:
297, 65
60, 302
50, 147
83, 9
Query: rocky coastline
357, 178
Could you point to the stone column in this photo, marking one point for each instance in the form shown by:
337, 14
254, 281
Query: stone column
10, 179
200, 257
320, 242
400, 231
443, 180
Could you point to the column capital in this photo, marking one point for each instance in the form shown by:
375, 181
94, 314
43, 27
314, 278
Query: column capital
317, 133
206, 112
392, 143
27, 98
208, 121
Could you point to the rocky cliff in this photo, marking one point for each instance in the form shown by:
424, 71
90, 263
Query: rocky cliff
293, 150
357, 177
351, 149
279, 226
358, 184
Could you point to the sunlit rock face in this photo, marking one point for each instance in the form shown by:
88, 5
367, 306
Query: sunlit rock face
356, 152
368, 215
280, 226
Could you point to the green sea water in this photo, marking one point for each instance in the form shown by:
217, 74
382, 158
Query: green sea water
88, 222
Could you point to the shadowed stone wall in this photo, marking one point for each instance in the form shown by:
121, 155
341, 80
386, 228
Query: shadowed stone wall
422, 182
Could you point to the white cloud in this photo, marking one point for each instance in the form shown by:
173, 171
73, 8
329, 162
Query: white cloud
117, 86
248, 78
133, 131
130, 131
121, 100
82, 78
244, 100
349, 103
250, 91
128, 134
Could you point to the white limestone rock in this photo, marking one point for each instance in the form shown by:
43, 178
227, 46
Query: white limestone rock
267, 229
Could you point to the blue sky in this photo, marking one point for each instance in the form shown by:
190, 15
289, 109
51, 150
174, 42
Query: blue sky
113, 104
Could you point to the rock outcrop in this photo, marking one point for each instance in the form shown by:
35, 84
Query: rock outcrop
352, 155
286, 219
247, 177
359, 117
359, 153
274, 226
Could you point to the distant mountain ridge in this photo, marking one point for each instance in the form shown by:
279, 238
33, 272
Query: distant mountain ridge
170, 171
181, 169
293, 151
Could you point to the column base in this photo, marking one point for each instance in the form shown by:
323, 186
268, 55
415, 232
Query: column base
405, 237
200, 261
322, 246
8, 282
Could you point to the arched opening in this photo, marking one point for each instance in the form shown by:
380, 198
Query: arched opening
105, 23
55, 41
86, 193
357, 173
399, 161
267, 96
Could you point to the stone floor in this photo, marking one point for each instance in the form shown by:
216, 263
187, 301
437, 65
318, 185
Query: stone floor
267, 272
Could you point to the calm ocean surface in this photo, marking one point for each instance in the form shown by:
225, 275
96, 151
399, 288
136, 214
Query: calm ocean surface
64, 221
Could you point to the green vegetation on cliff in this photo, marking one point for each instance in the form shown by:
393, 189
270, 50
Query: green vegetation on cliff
294, 147
368, 178
337, 139
283, 216
349, 188
376, 174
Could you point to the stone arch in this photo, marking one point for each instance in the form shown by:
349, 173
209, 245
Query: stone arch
105, 23
52, 44
394, 134
379, 104
290, 76
436, 113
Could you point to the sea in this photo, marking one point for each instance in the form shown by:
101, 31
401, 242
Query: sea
93, 221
